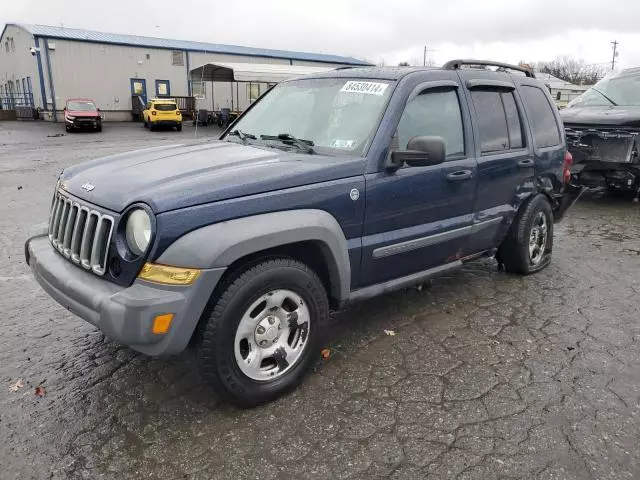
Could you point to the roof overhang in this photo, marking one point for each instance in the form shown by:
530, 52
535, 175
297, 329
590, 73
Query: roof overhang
252, 72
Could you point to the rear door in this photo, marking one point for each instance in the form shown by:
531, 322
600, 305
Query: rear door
418, 218
506, 166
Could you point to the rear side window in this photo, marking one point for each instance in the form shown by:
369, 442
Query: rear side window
543, 121
498, 120
434, 113
165, 107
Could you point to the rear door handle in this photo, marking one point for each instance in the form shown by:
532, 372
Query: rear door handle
459, 175
526, 163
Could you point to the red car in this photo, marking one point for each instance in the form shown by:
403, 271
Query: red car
82, 113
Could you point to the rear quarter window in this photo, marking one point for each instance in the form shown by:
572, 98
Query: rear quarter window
541, 116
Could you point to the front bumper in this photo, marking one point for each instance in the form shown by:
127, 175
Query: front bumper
123, 313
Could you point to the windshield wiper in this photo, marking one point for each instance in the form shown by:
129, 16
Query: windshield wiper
306, 145
601, 93
242, 135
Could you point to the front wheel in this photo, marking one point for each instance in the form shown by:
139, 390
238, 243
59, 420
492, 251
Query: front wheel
529, 242
263, 333
179, 127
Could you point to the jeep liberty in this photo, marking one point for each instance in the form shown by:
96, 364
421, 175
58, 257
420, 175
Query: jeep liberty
331, 188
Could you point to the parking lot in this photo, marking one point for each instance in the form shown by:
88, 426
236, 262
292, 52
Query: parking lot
480, 375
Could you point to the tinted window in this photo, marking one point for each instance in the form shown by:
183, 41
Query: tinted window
434, 113
492, 121
543, 121
165, 107
513, 121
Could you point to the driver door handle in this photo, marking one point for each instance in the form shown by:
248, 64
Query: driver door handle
459, 175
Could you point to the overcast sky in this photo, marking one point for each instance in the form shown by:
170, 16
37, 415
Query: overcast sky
375, 30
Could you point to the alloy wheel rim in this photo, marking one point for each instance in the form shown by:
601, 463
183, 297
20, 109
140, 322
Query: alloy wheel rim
272, 335
538, 238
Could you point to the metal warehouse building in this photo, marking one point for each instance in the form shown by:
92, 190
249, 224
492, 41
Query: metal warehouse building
42, 66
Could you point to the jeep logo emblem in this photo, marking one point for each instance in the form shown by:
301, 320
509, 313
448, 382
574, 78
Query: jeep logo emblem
88, 187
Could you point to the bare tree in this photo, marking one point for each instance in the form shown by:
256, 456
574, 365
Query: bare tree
572, 70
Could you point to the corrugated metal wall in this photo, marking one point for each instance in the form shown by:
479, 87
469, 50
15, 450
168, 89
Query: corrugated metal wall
18, 63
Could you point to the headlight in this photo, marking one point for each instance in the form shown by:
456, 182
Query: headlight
138, 231
70, 117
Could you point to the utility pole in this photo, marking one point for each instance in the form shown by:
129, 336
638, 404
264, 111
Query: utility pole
615, 54
424, 57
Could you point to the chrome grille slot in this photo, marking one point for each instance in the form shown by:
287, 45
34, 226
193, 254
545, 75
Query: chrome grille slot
80, 234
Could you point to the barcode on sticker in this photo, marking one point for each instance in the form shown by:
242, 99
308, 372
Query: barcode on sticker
371, 88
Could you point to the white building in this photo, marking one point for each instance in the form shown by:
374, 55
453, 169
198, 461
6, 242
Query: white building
561, 91
42, 66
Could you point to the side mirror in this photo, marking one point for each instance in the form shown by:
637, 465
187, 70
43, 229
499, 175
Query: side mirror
98, 109
422, 151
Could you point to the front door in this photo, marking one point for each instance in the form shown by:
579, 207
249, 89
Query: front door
418, 218
139, 87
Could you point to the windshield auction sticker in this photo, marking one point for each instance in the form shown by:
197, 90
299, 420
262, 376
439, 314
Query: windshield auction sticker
370, 88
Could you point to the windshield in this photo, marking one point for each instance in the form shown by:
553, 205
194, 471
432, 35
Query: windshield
336, 114
81, 106
621, 88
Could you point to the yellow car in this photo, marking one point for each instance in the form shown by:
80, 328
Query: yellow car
162, 113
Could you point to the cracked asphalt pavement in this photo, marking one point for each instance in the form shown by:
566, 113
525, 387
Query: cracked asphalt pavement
488, 375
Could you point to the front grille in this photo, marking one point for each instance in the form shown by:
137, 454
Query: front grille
80, 233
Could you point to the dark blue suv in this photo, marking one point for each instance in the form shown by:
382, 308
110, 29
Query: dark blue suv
331, 188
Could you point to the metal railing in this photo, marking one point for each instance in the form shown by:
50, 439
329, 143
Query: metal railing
12, 100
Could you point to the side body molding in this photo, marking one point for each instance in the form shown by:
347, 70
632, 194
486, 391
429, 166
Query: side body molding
221, 244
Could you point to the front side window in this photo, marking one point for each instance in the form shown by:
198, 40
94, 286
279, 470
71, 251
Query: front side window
337, 115
434, 113
545, 128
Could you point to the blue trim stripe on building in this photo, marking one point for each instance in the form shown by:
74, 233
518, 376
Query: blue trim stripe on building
188, 74
51, 87
43, 91
63, 33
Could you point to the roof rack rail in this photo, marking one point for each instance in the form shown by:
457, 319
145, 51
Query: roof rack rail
456, 64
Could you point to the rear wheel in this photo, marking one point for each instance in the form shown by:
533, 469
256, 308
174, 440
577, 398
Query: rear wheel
263, 333
529, 242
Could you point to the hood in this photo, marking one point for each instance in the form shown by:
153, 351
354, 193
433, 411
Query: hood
179, 176
604, 115
81, 113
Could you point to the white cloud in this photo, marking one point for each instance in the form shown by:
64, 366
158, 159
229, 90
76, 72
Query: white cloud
508, 30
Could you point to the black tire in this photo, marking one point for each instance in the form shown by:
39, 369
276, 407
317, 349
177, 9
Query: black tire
514, 252
179, 127
68, 128
99, 128
145, 124
215, 345
152, 127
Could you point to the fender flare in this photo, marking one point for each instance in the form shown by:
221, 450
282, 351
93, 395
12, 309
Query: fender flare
221, 244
